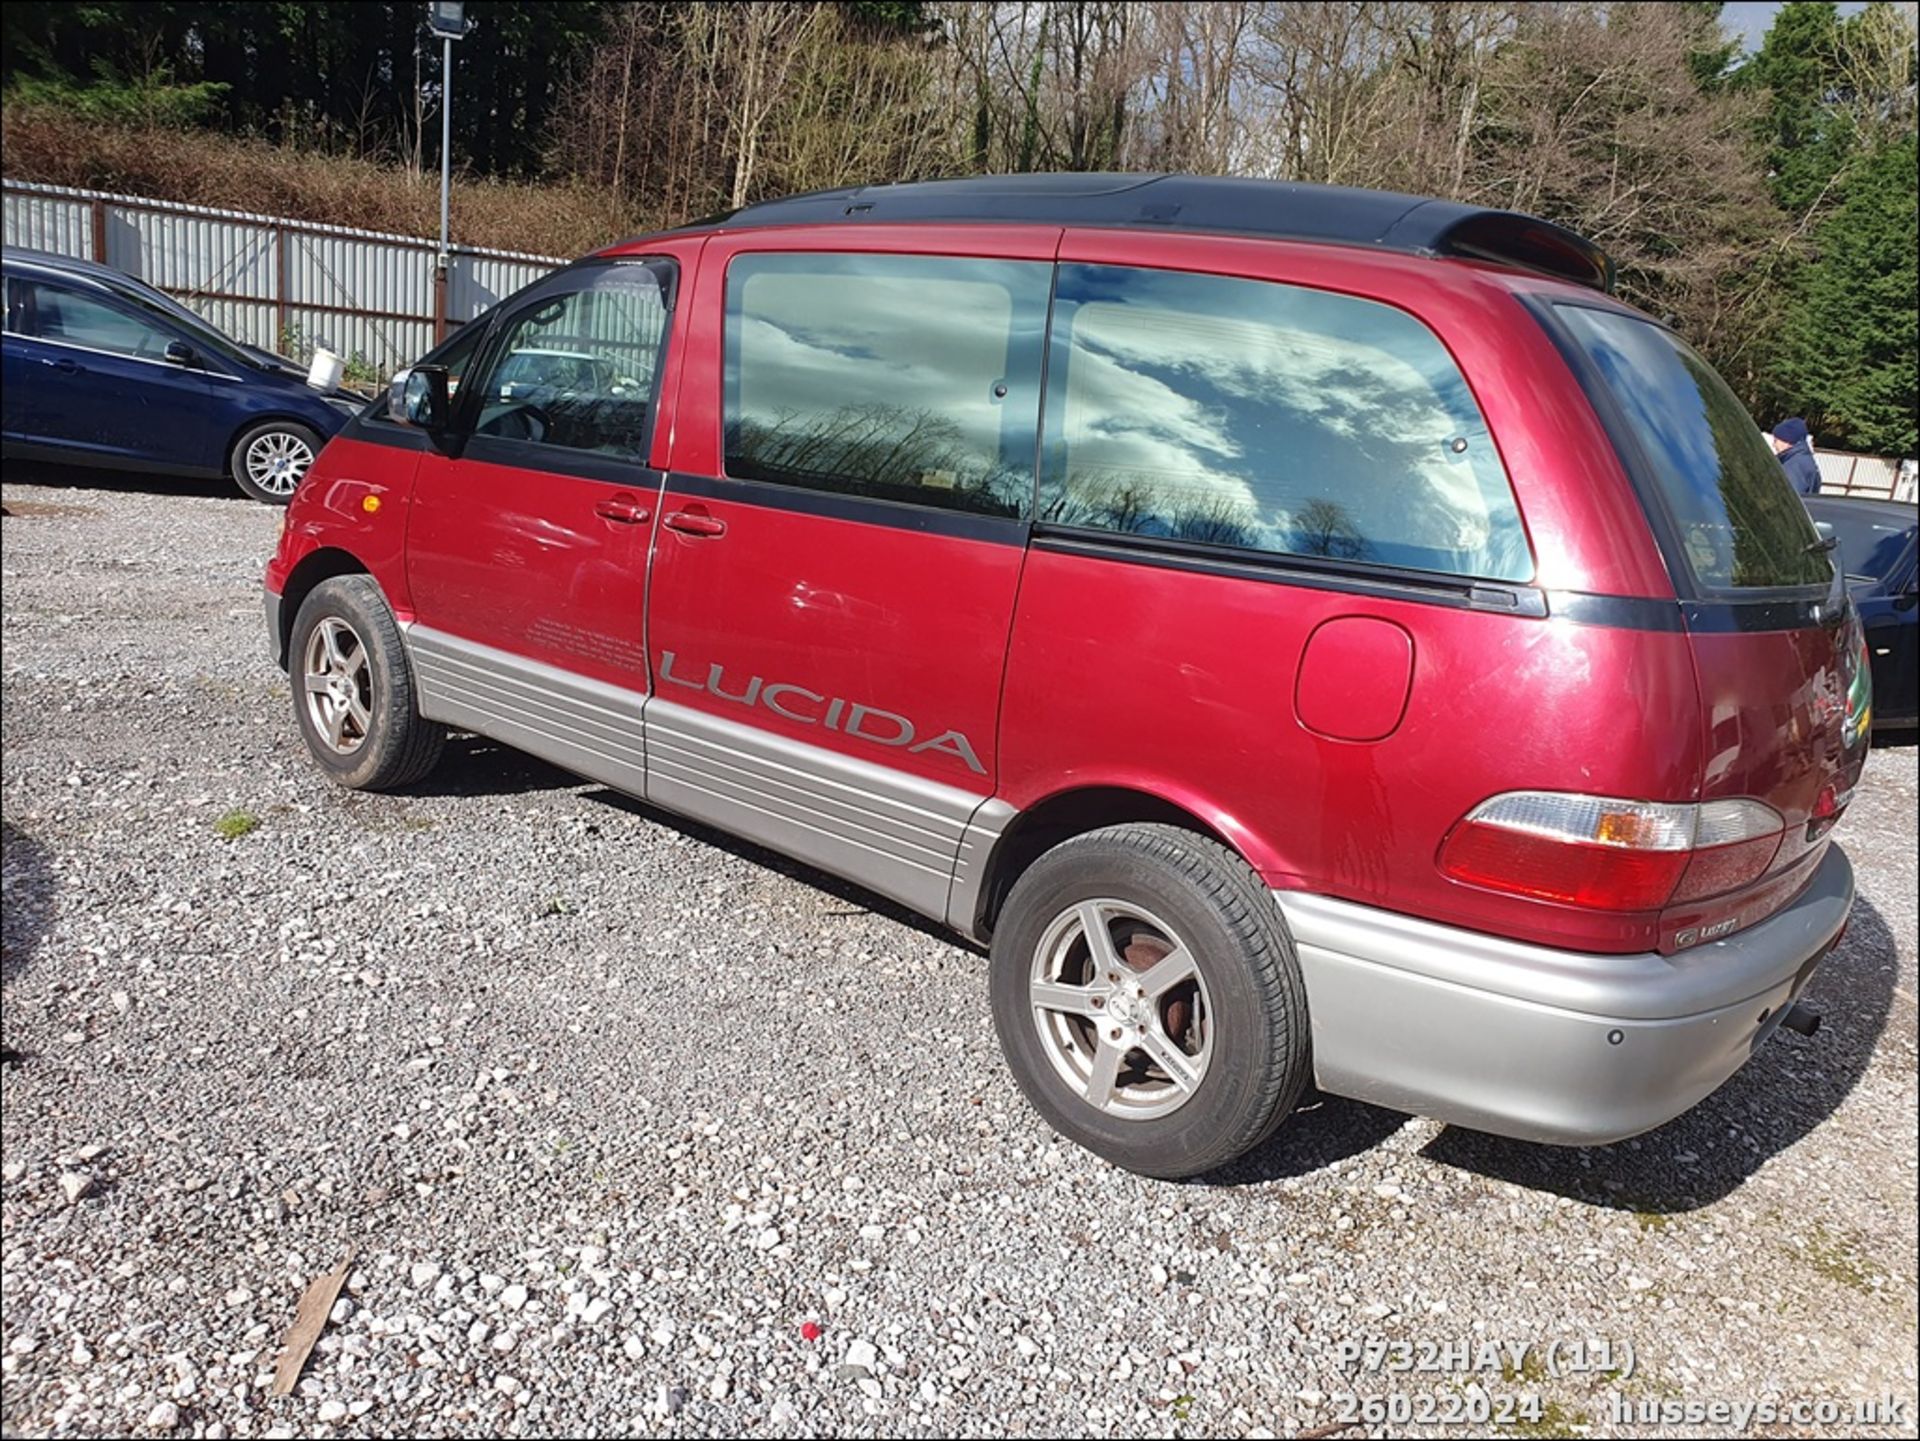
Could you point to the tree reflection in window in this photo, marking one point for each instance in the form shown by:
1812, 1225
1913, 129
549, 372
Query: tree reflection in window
1268, 417
907, 378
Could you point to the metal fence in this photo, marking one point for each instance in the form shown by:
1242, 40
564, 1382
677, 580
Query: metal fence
1843, 473
286, 285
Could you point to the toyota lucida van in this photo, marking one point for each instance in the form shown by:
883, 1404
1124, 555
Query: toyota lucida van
1306, 635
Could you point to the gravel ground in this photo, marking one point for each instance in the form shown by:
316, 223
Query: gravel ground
634, 1128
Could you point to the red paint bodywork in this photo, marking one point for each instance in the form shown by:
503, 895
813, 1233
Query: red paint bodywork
1067, 671
328, 514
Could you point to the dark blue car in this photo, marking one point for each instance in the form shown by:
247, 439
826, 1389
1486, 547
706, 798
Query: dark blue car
102, 369
1877, 548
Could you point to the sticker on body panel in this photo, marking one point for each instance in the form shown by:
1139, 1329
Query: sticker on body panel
802, 706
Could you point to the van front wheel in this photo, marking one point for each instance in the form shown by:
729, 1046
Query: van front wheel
1148, 999
353, 689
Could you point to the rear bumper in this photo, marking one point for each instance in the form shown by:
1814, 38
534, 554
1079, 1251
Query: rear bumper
1545, 1045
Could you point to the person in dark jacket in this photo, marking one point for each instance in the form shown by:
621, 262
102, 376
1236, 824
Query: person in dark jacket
1794, 446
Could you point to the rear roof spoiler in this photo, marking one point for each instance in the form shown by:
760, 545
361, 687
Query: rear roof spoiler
1507, 237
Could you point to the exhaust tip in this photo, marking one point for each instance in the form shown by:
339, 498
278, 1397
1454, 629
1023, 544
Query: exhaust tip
1801, 1019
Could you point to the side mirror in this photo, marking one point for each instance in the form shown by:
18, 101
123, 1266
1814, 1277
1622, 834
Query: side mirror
178, 352
1824, 529
420, 397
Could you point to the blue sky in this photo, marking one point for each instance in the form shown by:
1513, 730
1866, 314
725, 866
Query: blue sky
1752, 17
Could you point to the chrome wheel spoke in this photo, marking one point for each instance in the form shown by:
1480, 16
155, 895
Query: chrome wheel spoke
1183, 1070
1105, 1072
359, 714
1100, 950
330, 639
1167, 972
317, 684
1066, 999
336, 724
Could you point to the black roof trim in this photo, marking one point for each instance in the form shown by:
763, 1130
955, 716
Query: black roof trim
1280, 209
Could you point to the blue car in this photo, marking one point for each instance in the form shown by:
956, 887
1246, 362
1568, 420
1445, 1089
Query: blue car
102, 369
1877, 547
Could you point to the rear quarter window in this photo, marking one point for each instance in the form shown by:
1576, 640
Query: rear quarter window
1737, 520
1272, 418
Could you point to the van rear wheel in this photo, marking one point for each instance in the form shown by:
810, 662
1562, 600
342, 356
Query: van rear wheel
1148, 999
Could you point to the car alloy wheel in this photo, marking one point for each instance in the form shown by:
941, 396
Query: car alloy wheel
275, 460
1122, 1009
339, 686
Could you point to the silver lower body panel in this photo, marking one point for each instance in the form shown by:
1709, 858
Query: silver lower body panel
589, 727
908, 838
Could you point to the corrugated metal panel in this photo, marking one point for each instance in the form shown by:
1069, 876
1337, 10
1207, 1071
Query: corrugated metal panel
191, 254
251, 321
479, 281
45, 222
226, 265
359, 274
23, 187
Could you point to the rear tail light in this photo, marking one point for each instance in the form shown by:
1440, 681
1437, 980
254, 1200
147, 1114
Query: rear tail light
1611, 855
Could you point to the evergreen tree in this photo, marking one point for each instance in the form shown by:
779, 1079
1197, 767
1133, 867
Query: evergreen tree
1807, 137
1851, 333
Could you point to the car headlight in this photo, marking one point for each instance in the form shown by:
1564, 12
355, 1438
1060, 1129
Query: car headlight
344, 405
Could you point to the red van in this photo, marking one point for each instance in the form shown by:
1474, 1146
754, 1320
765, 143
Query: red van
1309, 635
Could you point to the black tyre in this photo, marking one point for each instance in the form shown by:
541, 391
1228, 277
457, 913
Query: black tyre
270, 459
1179, 1043
353, 689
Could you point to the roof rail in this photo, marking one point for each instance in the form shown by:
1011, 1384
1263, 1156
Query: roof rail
1279, 209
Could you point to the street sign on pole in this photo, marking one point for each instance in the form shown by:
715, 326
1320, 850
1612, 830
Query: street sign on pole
447, 19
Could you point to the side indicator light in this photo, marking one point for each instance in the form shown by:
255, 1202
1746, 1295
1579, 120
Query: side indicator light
370, 503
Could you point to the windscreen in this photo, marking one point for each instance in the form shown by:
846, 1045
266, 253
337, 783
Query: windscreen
1739, 522
1871, 542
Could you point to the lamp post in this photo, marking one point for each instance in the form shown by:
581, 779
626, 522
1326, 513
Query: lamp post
447, 19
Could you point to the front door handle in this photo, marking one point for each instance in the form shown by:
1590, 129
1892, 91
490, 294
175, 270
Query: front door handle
623, 509
695, 521
65, 367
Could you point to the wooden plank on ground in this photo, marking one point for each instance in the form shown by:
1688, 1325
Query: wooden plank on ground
309, 1320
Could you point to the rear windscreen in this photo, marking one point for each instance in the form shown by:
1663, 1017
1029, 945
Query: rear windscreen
1739, 522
